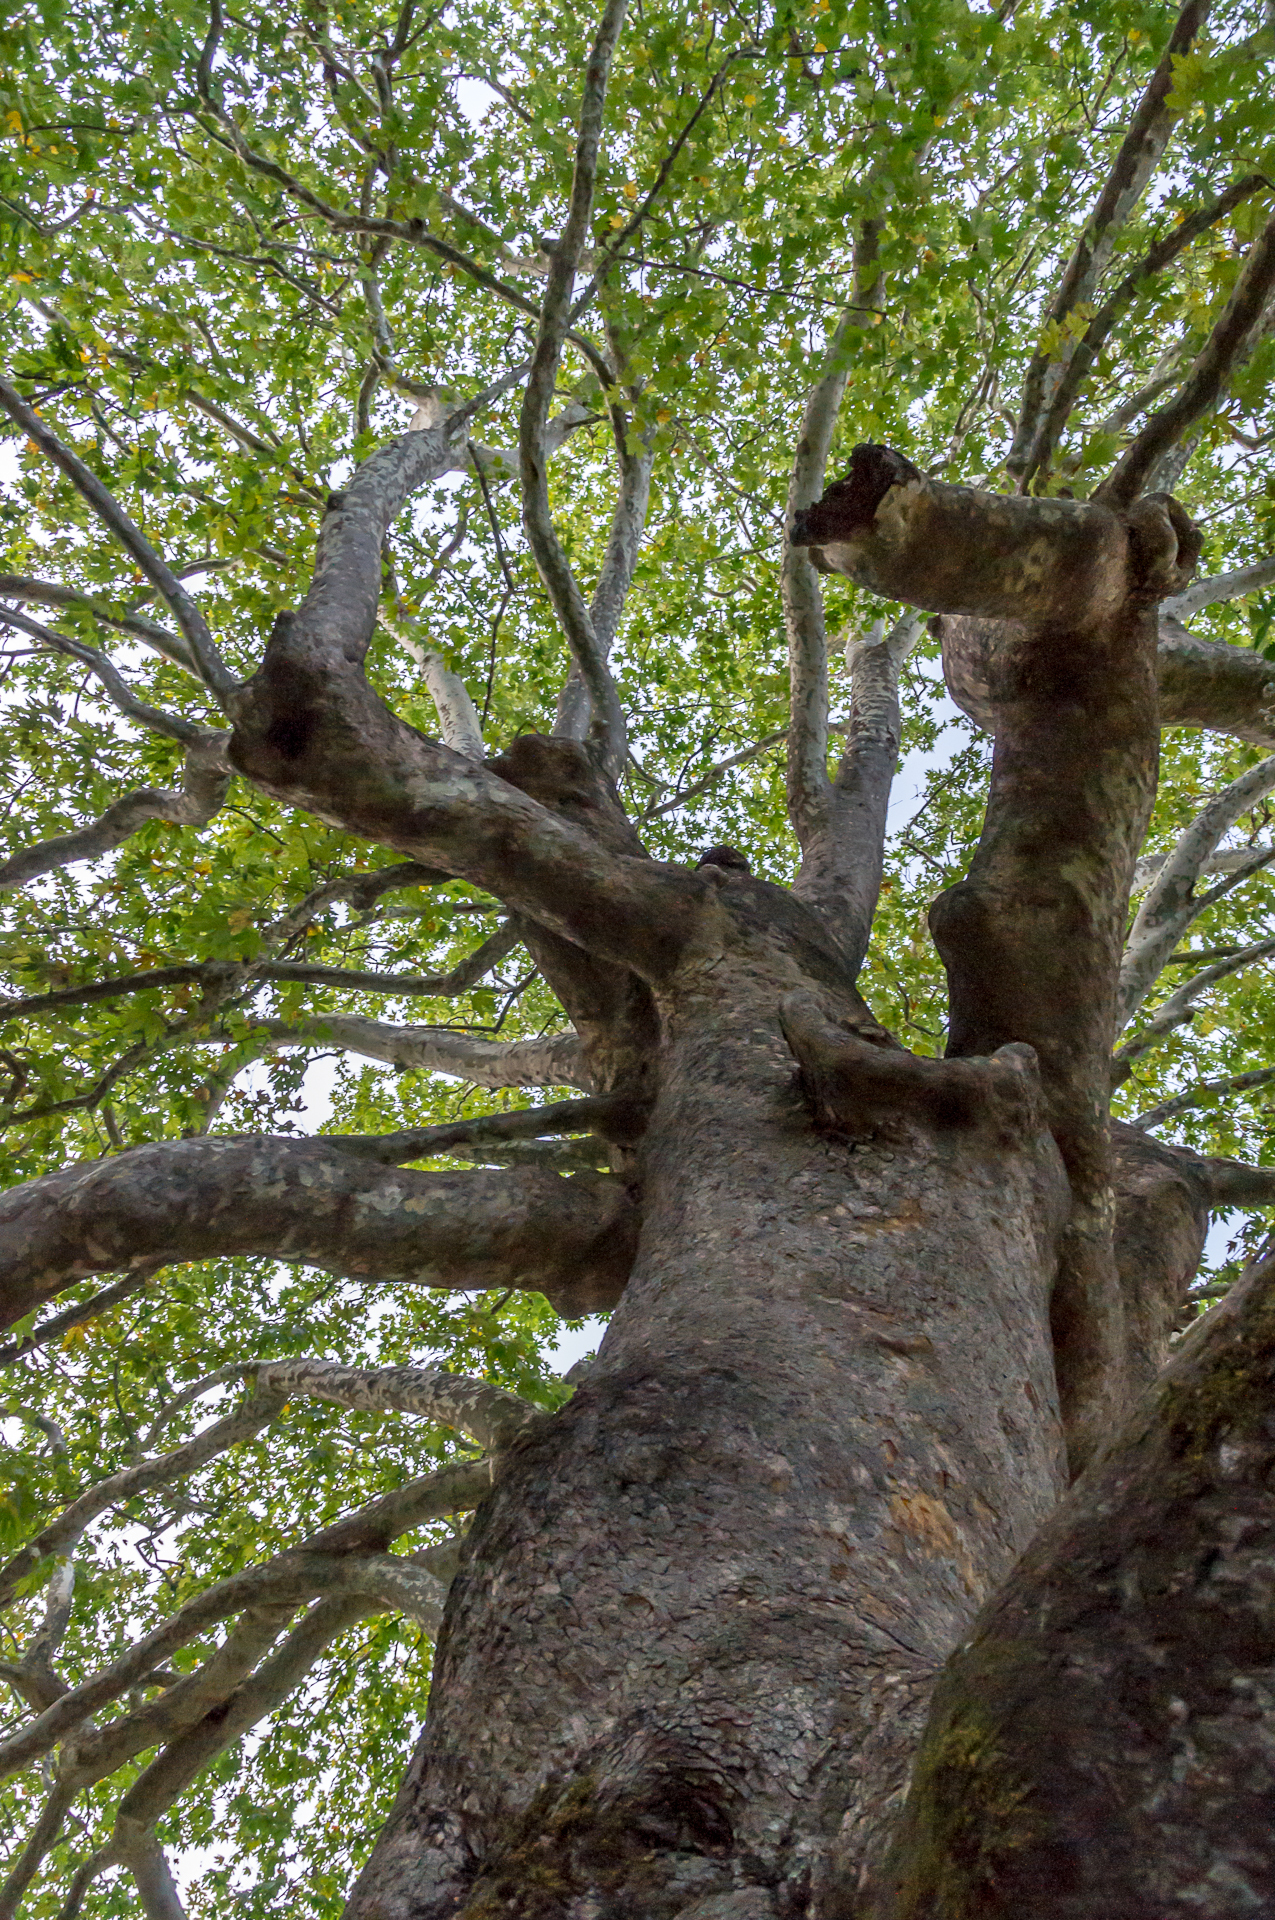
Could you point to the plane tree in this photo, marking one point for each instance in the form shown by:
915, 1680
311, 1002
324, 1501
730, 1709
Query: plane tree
456, 882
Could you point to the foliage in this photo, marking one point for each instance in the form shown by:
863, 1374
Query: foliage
221, 348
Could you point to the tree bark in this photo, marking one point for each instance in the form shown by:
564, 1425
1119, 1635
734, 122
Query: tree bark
697, 1623
1102, 1743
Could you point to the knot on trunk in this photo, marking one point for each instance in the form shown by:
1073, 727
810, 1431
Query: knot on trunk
1164, 546
861, 1084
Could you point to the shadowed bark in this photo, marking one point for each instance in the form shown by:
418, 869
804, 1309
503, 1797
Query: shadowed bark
1101, 1744
1201, 682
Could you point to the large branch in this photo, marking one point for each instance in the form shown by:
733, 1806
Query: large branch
1032, 938
206, 781
1169, 905
587, 648
313, 1201
1136, 160
214, 672
1100, 1742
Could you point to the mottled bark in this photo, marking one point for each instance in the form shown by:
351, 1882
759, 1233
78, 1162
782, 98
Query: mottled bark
696, 1624
1032, 937
321, 1203
1102, 1743
1201, 683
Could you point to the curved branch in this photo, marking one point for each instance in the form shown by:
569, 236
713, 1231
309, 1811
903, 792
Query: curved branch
174, 1769
1202, 1092
60, 1323
1178, 1008
46, 593
290, 1579
1233, 860
465, 974
487, 1414
131, 705
213, 670
206, 781
317, 1202
555, 1061
1223, 586
346, 1558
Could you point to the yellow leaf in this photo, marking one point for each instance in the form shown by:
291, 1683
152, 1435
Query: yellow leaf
630, 190
820, 47
617, 219
21, 276
663, 415
750, 99
239, 919
13, 120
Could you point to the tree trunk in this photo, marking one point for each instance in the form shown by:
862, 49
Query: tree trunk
692, 1642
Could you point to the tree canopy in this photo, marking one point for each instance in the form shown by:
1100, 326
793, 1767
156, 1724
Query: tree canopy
242, 252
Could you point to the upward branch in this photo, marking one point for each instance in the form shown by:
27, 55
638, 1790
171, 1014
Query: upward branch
587, 651
1212, 368
213, 669
1032, 938
1139, 154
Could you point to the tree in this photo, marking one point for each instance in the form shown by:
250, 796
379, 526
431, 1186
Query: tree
551, 332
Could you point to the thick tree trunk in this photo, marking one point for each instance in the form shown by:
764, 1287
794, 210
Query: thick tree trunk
693, 1639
